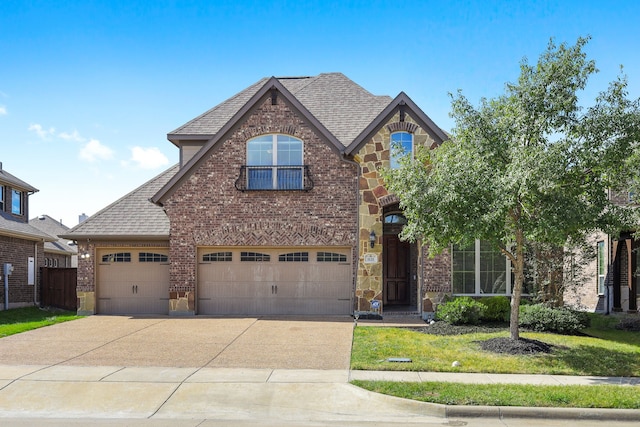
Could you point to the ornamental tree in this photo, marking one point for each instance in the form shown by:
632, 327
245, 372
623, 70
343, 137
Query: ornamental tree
531, 165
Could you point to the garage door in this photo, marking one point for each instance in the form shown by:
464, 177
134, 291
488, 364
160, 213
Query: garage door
253, 281
133, 281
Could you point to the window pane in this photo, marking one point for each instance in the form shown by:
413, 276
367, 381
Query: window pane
16, 202
260, 151
464, 266
260, 178
493, 270
401, 146
289, 178
330, 257
601, 267
289, 151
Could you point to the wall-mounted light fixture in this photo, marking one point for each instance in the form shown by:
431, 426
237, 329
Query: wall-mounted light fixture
85, 255
372, 238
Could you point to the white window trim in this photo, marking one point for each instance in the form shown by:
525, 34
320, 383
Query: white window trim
413, 145
274, 156
478, 276
603, 275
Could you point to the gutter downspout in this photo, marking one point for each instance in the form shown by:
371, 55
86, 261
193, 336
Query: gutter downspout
357, 260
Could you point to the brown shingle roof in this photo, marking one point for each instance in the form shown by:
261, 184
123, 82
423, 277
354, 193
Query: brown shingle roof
131, 216
342, 106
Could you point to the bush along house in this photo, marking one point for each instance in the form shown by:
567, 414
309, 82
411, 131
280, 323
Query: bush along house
277, 206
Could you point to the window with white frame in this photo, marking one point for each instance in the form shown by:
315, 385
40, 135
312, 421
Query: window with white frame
480, 269
1, 198
274, 162
16, 202
601, 260
401, 146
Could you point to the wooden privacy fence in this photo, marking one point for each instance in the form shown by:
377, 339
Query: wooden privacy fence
59, 287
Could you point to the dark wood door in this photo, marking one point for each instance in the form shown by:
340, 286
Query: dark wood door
396, 270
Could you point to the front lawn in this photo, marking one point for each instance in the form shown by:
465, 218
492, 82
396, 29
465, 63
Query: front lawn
608, 353
19, 320
588, 396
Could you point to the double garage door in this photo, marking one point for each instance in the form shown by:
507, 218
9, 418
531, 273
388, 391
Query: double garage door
256, 281
133, 281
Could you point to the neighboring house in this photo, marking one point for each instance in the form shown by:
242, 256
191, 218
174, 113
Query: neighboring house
277, 206
609, 282
61, 253
21, 245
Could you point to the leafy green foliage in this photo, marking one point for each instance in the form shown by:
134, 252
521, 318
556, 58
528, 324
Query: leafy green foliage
461, 311
541, 318
530, 165
497, 308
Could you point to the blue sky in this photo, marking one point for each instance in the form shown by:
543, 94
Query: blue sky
89, 89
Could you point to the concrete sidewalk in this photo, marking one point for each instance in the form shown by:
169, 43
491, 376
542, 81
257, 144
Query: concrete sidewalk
285, 396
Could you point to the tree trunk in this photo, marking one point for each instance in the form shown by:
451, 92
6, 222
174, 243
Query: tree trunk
516, 292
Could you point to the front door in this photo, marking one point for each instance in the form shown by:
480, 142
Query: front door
396, 254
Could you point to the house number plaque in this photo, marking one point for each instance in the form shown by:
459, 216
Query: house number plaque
370, 258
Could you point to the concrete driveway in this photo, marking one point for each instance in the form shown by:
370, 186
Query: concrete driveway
276, 343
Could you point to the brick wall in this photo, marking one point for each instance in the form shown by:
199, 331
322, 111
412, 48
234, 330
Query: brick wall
17, 251
207, 209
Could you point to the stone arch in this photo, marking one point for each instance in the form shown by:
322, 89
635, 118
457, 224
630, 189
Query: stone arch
402, 127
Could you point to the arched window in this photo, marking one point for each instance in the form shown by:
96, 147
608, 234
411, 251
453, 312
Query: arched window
401, 146
395, 218
274, 162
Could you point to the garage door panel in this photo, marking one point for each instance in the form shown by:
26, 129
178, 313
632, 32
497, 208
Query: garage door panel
293, 281
132, 287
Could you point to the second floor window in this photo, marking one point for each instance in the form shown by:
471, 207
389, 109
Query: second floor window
1, 197
401, 146
16, 202
274, 162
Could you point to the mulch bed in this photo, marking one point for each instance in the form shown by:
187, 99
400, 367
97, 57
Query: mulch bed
501, 345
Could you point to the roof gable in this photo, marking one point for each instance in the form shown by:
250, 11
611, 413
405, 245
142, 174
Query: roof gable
400, 101
271, 85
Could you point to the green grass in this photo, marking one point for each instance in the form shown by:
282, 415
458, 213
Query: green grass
19, 320
596, 396
601, 351
607, 353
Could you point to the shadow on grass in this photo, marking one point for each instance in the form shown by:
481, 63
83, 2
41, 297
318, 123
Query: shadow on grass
591, 360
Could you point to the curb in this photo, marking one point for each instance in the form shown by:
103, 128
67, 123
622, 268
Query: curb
542, 413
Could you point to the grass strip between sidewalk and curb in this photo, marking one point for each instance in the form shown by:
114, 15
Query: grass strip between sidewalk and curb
17, 320
588, 396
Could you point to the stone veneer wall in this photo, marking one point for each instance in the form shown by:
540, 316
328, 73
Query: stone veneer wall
207, 210
375, 154
86, 282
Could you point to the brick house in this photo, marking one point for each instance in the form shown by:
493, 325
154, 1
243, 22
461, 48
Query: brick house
609, 282
277, 206
21, 245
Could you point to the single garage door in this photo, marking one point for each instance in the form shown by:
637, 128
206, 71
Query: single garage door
133, 281
256, 281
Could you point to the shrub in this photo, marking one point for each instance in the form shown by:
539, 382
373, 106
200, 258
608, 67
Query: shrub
629, 324
498, 309
541, 318
461, 311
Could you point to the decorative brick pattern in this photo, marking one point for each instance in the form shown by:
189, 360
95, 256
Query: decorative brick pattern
207, 210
